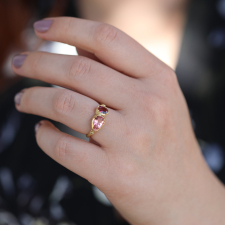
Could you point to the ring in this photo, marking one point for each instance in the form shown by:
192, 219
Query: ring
98, 120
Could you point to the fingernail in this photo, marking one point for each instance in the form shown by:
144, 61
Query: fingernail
42, 25
37, 126
18, 60
17, 98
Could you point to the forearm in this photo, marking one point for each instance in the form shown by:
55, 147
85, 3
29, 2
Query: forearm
202, 198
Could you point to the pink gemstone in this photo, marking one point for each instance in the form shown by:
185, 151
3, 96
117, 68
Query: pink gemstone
98, 122
102, 109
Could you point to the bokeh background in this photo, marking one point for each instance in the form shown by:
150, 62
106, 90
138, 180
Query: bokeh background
187, 35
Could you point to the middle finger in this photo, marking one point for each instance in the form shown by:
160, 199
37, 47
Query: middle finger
78, 73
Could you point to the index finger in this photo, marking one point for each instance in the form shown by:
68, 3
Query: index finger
109, 44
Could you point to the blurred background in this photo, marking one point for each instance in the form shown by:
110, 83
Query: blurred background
187, 35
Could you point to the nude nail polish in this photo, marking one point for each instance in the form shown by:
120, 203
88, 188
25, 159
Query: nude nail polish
18, 60
42, 25
17, 98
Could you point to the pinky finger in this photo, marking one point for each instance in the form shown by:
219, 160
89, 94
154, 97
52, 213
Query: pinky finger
81, 157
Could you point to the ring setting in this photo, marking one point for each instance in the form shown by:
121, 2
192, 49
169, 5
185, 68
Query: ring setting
98, 120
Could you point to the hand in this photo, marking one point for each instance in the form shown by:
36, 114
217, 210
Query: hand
146, 158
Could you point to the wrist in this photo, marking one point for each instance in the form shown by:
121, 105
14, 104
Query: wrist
201, 200
195, 196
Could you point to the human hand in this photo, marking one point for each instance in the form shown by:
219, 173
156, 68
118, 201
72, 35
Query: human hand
146, 158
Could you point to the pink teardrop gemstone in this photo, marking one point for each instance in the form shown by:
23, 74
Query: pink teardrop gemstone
98, 122
103, 110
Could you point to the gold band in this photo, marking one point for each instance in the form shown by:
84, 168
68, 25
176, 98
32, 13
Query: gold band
98, 120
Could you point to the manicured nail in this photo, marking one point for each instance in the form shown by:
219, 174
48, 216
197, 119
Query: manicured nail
37, 126
42, 25
17, 98
18, 60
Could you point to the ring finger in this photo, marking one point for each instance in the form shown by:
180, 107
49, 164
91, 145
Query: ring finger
68, 107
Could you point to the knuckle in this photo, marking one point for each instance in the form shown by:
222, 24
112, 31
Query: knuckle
105, 34
62, 149
64, 102
79, 68
170, 79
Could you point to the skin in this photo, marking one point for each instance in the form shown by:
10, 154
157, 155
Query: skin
146, 158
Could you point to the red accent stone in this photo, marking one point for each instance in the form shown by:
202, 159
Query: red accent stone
103, 110
98, 122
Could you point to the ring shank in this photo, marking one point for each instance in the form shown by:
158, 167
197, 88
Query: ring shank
90, 133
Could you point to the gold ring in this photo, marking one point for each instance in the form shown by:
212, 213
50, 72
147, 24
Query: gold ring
98, 120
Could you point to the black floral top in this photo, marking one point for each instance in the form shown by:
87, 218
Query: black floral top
201, 74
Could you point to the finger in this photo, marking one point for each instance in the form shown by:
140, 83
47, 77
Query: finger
70, 108
107, 43
86, 54
81, 74
83, 158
